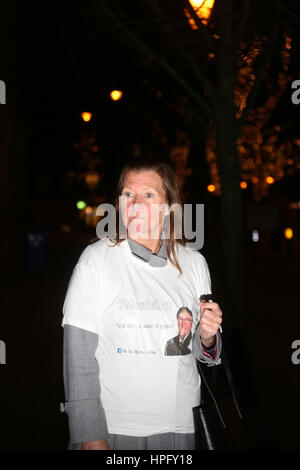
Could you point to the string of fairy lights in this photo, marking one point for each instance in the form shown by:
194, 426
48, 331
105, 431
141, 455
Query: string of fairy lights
264, 157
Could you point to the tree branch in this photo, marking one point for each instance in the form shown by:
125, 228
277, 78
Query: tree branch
287, 10
71, 58
189, 108
202, 28
225, 23
142, 46
243, 17
186, 55
259, 74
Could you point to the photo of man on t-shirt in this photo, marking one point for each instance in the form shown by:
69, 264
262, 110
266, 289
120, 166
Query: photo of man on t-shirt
178, 346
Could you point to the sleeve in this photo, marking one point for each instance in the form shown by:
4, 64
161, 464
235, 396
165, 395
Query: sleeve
86, 415
210, 356
83, 300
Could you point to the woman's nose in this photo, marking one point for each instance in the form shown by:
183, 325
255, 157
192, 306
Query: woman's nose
138, 207
137, 199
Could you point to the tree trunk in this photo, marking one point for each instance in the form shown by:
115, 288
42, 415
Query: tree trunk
231, 197
231, 223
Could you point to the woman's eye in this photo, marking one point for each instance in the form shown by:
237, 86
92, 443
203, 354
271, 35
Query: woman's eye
127, 194
149, 195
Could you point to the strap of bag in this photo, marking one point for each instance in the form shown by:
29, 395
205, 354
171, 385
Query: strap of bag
203, 380
224, 359
230, 383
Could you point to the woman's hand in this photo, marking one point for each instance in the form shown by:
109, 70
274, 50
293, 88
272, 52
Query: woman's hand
210, 321
95, 445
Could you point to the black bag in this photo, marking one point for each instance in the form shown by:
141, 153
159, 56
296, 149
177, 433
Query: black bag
219, 424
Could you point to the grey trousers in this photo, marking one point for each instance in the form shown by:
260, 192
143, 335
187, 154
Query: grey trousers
166, 441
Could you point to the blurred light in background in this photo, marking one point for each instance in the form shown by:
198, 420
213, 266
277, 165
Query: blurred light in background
65, 228
196, 3
86, 116
92, 179
288, 233
202, 8
116, 95
269, 180
211, 188
88, 210
81, 205
294, 205
90, 218
243, 185
255, 236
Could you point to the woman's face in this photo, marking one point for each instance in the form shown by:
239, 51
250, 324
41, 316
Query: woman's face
141, 204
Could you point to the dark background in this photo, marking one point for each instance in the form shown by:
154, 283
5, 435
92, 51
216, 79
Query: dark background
47, 90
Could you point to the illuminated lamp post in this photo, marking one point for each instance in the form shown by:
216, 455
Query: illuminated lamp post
211, 188
86, 116
202, 8
116, 95
270, 180
289, 235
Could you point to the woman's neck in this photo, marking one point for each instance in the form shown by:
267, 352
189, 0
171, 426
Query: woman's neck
152, 244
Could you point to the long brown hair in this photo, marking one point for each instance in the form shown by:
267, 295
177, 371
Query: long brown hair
173, 195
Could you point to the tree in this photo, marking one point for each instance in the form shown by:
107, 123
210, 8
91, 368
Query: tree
263, 148
207, 54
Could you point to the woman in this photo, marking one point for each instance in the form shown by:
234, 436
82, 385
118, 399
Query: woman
121, 308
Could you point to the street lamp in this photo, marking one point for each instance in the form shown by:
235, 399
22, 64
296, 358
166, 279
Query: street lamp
116, 95
203, 8
86, 116
270, 179
288, 233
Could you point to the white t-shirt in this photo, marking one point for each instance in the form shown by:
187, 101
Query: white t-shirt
132, 306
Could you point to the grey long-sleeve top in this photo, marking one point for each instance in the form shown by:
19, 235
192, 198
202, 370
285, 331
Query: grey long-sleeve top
86, 415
